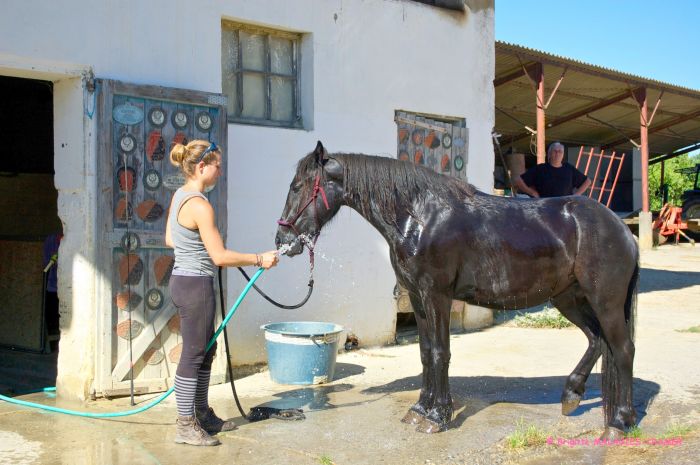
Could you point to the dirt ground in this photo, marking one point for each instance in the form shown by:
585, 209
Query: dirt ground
500, 377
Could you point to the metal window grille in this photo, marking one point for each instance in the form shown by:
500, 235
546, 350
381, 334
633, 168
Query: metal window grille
260, 75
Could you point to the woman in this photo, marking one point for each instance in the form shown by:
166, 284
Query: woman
191, 230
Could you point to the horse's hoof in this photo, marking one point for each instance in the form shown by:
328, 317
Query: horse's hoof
430, 426
569, 404
412, 417
612, 434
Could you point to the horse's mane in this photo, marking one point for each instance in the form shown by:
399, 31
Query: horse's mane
389, 184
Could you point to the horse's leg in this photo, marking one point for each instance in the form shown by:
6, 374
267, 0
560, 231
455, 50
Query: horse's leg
616, 318
617, 376
437, 312
574, 306
419, 411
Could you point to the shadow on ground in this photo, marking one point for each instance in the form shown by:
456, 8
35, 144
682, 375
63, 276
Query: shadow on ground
664, 280
318, 397
23, 372
475, 393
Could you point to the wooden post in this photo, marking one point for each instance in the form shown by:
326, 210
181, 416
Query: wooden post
539, 80
641, 96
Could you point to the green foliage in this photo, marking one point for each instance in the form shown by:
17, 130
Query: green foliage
635, 432
325, 460
676, 430
692, 329
526, 435
677, 182
547, 318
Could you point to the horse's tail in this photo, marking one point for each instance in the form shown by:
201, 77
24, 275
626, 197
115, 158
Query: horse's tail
610, 375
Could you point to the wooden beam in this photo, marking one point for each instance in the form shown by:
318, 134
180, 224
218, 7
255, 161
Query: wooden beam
659, 127
577, 114
592, 100
554, 91
512, 76
668, 156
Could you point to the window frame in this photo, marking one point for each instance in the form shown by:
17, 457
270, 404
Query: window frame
267, 74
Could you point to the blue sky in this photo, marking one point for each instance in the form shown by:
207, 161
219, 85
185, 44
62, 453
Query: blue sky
653, 39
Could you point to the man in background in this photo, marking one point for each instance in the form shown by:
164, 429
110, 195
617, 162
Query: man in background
555, 178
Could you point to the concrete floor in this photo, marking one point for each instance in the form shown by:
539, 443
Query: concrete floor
499, 377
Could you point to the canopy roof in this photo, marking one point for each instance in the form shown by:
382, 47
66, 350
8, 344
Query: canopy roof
593, 105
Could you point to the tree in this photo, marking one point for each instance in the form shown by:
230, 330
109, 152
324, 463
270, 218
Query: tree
676, 182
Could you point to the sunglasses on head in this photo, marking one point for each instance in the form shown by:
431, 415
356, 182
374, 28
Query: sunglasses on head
212, 148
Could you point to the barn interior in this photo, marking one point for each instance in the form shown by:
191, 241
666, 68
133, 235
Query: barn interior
28, 205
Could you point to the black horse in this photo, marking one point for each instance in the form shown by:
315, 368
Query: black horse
449, 241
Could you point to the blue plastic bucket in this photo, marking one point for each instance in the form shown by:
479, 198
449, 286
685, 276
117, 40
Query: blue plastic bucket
301, 352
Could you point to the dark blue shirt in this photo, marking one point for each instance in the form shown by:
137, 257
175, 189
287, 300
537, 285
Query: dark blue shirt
549, 181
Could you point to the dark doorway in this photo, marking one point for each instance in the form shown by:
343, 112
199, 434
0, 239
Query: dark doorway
29, 234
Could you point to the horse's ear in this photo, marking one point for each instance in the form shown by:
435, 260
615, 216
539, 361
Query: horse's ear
320, 153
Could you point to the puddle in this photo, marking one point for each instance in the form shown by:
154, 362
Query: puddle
15, 449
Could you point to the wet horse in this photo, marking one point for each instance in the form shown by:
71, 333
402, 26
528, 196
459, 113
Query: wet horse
449, 241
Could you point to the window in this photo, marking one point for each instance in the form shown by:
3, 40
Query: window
260, 75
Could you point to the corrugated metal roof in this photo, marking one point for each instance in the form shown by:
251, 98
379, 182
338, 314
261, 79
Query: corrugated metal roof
505, 46
588, 87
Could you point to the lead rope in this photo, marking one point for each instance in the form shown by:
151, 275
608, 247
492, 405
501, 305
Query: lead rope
256, 413
310, 245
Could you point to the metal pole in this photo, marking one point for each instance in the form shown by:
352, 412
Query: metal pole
588, 163
597, 170
612, 189
578, 160
605, 179
539, 79
661, 183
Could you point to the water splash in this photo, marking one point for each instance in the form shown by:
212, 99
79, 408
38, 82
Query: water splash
284, 248
307, 240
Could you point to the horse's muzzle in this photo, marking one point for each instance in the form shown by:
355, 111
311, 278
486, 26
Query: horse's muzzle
289, 243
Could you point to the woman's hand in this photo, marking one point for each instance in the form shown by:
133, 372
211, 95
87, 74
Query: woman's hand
269, 259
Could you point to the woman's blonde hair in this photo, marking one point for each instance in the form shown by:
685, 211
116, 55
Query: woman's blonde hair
186, 157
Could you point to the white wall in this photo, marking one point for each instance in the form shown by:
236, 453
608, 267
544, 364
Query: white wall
411, 57
367, 58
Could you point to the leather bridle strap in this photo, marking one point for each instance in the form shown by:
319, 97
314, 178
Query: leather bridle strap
318, 189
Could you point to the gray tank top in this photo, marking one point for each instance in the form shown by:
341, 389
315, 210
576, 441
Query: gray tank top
191, 257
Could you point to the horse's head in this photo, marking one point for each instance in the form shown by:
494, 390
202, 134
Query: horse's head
315, 196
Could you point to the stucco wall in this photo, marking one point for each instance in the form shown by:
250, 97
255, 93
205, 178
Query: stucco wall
374, 58
363, 59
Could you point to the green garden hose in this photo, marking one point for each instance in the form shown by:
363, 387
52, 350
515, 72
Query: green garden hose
150, 404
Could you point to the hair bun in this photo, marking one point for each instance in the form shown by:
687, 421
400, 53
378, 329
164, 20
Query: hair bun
178, 154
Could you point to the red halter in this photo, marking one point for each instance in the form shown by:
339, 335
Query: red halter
318, 189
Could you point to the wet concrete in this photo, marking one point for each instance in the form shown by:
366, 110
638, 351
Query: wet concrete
499, 376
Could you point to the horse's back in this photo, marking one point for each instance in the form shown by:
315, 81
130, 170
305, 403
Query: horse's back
536, 248
608, 253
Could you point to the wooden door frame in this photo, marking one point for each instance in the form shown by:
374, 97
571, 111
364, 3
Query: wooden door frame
106, 383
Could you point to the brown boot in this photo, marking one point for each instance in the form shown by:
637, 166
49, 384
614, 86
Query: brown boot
189, 432
213, 424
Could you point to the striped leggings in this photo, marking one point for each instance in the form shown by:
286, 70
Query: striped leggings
193, 296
